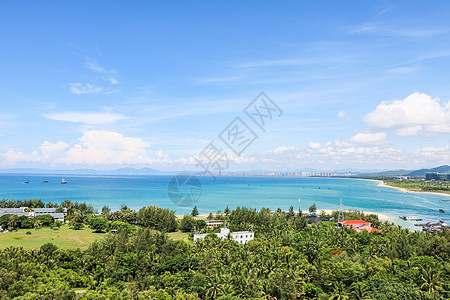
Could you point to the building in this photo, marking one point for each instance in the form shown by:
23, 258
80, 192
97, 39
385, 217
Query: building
33, 212
359, 225
214, 223
437, 176
241, 237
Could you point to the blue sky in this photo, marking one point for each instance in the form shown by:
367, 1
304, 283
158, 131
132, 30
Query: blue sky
107, 84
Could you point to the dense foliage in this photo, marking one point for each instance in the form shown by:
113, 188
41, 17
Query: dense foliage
420, 185
291, 258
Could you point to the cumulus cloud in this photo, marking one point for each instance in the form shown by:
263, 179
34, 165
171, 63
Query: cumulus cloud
361, 138
94, 148
93, 118
105, 147
314, 145
408, 117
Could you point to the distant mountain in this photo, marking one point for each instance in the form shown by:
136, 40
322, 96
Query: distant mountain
390, 173
422, 172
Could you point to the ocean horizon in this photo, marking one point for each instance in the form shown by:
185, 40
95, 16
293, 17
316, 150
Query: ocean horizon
254, 192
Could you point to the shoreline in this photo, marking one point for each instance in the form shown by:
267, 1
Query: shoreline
381, 217
381, 183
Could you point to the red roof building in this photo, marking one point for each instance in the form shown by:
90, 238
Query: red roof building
359, 225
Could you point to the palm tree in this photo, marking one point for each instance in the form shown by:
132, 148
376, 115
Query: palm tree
12, 222
77, 217
37, 224
359, 290
430, 277
339, 292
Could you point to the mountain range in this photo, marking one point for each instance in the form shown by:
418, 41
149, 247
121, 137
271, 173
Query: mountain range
409, 173
150, 171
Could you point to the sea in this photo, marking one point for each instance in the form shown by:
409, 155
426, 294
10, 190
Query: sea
210, 194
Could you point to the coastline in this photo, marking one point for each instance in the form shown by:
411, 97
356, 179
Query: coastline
381, 183
381, 217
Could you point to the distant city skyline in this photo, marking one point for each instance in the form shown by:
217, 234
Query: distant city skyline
361, 85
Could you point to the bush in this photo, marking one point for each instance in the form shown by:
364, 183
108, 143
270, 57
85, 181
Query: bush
98, 224
187, 223
49, 248
46, 220
78, 226
28, 232
161, 219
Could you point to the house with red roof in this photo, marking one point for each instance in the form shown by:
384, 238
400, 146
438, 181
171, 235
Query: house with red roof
359, 225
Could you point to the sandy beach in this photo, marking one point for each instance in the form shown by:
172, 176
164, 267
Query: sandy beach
381, 183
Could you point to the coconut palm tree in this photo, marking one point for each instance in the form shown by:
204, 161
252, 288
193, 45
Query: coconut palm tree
339, 292
37, 224
12, 222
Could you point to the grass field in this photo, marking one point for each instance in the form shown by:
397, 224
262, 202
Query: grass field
179, 236
63, 238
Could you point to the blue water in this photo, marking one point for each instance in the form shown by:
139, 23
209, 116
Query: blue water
255, 192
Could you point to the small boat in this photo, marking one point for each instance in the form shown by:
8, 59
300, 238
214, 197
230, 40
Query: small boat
45, 181
26, 181
410, 218
445, 200
63, 181
442, 210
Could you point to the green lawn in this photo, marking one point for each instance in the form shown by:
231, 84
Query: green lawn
179, 236
63, 238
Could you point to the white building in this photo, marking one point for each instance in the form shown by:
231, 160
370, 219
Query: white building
214, 223
33, 212
242, 237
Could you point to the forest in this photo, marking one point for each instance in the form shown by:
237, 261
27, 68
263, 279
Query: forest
291, 257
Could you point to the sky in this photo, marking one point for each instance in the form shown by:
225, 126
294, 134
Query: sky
352, 85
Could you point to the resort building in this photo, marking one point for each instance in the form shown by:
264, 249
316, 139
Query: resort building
214, 223
359, 225
437, 176
33, 212
242, 237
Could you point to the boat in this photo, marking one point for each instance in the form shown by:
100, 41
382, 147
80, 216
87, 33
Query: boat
410, 218
442, 210
26, 181
45, 181
445, 200
63, 181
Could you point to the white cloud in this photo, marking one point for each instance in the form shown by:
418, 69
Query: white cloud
411, 115
50, 150
409, 131
84, 88
94, 148
282, 149
85, 117
361, 138
105, 147
12, 158
314, 145
342, 114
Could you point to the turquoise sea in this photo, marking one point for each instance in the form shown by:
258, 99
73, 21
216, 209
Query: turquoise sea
255, 192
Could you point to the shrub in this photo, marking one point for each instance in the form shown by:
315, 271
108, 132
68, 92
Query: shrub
98, 224
28, 232
78, 226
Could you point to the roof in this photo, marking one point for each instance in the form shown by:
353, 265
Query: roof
371, 229
353, 222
